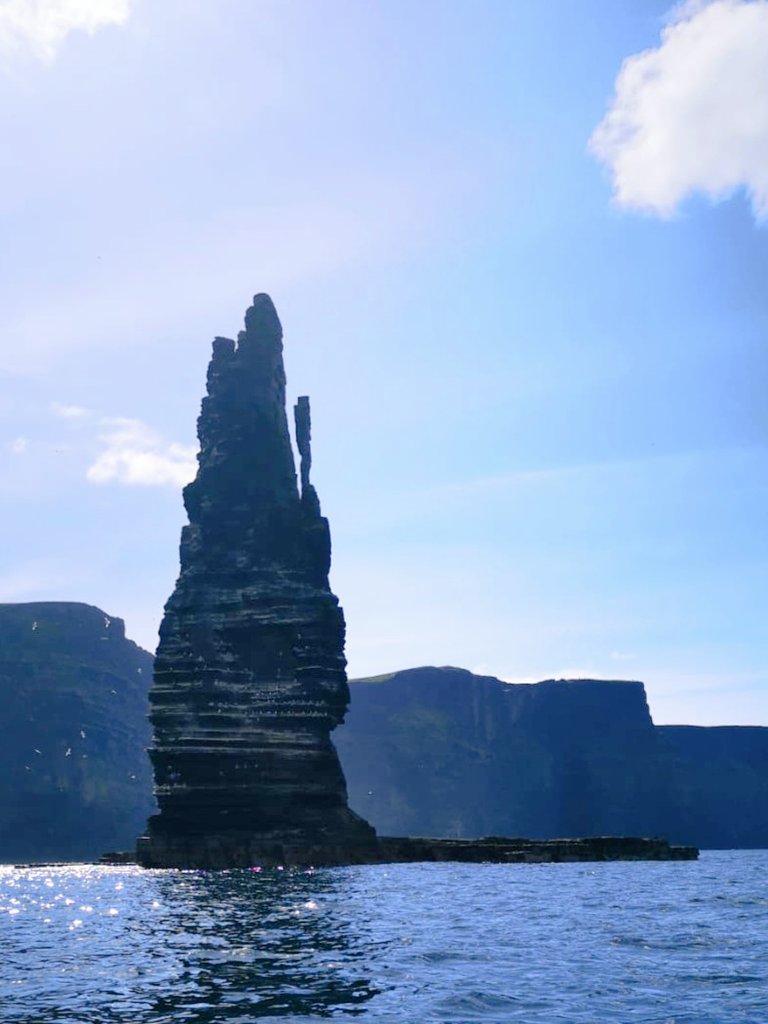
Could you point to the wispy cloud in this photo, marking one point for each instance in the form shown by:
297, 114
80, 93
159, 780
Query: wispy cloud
514, 680
417, 501
40, 26
621, 656
217, 260
69, 412
135, 454
691, 115
18, 446
576, 672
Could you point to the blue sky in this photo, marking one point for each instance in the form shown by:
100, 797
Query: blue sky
519, 254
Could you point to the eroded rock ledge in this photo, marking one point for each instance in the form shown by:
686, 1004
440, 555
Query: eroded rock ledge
230, 851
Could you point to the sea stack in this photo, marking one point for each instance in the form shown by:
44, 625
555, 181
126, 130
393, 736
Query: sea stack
250, 676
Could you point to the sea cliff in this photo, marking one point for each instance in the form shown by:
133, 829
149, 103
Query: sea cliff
440, 751
426, 752
74, 775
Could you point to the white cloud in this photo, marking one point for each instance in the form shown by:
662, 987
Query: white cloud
136, 454
41, 26
515, 680
576, 672
69, 412
18, 446
691, 115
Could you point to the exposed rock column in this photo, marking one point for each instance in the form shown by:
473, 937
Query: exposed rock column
250, 671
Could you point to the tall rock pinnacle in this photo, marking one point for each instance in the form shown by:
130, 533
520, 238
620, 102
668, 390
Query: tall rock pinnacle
250, 676
250, 671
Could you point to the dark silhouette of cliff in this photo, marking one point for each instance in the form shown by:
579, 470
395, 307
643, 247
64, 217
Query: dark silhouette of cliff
720, 778
425, 751
440, 751
74, 774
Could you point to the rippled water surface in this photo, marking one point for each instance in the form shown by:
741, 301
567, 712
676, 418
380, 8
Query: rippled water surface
670, 943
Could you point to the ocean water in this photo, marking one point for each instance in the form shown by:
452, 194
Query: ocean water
624, 943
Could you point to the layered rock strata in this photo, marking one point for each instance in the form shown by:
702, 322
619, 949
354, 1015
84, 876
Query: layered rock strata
250, 675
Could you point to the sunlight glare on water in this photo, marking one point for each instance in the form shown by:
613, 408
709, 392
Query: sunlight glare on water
676, 943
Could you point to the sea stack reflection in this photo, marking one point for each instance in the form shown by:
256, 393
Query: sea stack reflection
250, 672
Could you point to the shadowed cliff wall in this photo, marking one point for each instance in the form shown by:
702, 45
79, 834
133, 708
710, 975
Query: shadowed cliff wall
425, 751
439, 751
74, 775
721, 784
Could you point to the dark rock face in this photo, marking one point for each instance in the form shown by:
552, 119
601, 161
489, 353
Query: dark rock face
720, 784
246, 851
74, 775
443, 752
439, 751
250, 671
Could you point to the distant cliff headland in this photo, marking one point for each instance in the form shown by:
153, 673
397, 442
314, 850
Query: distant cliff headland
427, 751
75, 779
440, 751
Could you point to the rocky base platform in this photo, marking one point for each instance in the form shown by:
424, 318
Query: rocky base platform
238, 851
